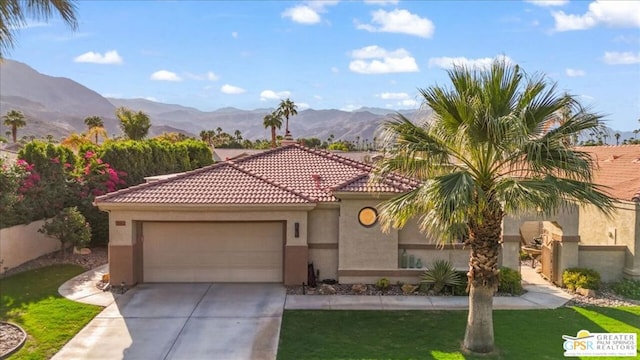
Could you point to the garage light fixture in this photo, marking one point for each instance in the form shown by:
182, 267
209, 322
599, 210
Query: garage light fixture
296, 227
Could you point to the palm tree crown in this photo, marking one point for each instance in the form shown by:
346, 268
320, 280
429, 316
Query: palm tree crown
287, 108
15, 120
14, 14
135, 125
488, 151
273, 121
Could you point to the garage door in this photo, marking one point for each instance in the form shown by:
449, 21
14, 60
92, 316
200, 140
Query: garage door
213, 252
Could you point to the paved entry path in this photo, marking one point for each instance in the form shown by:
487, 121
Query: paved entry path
184, 321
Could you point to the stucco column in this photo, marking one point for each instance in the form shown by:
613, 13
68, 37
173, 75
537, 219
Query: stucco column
567, 254
296, 251
122, 255
510, 253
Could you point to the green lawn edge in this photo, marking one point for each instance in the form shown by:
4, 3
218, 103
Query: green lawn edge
31, 300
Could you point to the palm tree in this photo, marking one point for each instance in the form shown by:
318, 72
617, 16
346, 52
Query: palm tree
617, 136
15, 120
94, 122
74, 141
97, 131
287, 108
135, 125
485, 153
273, 121
14, 14
238, 135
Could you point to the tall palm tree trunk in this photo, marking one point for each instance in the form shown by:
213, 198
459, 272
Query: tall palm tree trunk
483, 273
273, 137
14, 133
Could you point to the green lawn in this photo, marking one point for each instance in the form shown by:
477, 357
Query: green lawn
31, 300
520, 334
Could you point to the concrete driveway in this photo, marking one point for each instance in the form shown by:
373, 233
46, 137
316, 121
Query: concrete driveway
185, 321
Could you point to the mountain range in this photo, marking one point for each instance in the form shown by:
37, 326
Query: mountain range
57, 106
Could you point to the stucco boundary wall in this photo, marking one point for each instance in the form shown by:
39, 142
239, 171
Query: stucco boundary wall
22, 243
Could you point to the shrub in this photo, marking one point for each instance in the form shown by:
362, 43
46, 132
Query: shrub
628, 288
409, 289
574, 278
383, 284
510, 281
69, 227
461, 289
441, 274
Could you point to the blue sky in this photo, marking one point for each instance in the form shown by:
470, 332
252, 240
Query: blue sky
337, 54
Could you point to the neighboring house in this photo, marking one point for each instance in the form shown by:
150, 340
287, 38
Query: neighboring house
264, 217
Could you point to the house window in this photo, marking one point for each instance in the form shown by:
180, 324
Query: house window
368, 216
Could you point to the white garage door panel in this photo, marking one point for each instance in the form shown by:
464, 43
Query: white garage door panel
212, 252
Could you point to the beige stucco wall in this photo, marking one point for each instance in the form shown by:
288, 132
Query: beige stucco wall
21, 243
323, 240
567, 219
607, 260
621, 228
363, 247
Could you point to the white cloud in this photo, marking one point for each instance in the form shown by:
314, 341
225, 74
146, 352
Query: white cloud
209, 75
399, 21
274, 95
574, 72
548, 3
409, 103
110, 57
621, 58
308, 13
376, 60
393, 96
151, 98
480, 63
350, 107
302, 105
232, 90
610, 13
381, 2
234, 34
165, 75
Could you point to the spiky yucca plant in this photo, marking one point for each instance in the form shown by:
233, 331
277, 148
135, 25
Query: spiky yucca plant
441, 274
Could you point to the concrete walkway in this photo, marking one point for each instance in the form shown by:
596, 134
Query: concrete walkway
540, 295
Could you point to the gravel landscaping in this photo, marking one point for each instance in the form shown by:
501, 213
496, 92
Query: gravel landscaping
11, 338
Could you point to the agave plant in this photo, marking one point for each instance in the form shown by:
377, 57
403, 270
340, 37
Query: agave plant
441, 274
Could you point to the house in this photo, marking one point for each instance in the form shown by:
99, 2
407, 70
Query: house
263, 217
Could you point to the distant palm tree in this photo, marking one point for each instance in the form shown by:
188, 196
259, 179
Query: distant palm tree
74, 141
238, 135
94, 122
97, 131
273, 121
484, 154
617, 135
15, 120
135, 125
14, 14
287, 108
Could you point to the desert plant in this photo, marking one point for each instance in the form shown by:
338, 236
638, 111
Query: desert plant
440, 274
409, 289
628, 288
574, 278
69, 227
510, 281
383, 284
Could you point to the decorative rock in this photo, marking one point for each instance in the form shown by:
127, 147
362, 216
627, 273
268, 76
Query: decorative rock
359, 289
586, 292
83, 251
327, 290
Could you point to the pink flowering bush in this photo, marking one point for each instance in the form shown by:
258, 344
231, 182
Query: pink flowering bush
96, 177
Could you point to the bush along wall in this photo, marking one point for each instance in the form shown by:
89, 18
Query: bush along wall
48, 178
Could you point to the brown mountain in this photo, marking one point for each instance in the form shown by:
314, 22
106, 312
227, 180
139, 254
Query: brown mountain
58, 106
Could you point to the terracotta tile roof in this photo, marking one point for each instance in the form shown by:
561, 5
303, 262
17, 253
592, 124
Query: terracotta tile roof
618, 167
390, 184
290, 174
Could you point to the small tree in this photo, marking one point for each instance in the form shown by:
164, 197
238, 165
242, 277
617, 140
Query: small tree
70, 227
